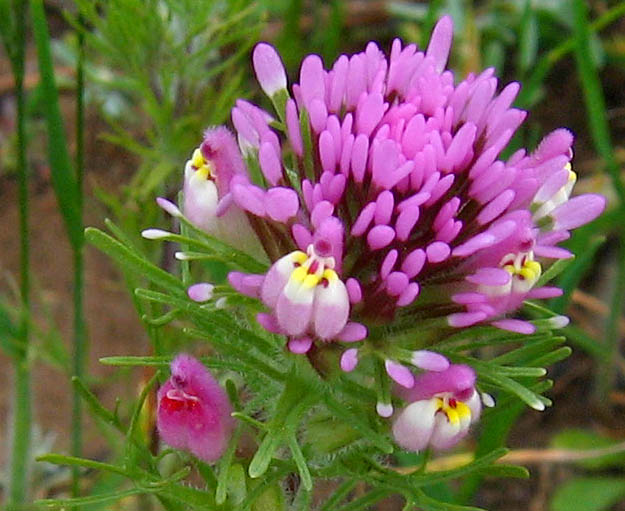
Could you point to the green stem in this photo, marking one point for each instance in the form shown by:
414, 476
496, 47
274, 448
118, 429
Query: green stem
80, 331
20, 459
607, 374
20, 454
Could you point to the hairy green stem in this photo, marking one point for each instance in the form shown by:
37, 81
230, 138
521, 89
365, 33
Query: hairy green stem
20, 453
80, 331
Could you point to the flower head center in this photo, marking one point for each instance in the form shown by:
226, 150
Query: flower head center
311, 269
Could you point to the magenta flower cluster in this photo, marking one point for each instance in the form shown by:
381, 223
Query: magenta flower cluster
380, 197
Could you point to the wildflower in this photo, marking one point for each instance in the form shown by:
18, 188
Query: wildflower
442, 407
194, 411
208, 178
386, 210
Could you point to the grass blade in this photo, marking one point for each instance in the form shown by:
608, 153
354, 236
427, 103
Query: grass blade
62, 174
593, 96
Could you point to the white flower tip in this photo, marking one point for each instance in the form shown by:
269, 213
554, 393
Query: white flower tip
269, 69
155, 234
169, 207
201, 292
538, 405
487, 400
559, 321
183, 256
384, 409
221, 303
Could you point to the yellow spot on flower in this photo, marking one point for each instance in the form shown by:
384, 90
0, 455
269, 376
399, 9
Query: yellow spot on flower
203, 167
455, 410
299, 257
197, 160
572, 174
299, 274
330, 275
528, 269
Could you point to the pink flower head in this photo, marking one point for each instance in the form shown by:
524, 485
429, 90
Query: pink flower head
193, 410
385, 201
443, 406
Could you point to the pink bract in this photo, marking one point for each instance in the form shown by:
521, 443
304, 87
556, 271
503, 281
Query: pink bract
194, 411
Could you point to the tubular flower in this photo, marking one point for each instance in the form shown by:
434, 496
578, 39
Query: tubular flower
208, 177
384, 204
193, 411
443, 406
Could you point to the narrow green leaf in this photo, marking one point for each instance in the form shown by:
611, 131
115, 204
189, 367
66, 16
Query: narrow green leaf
231, 254
528, 38
366, 501
555, 356
300, 461
479, 464
523, 354
518, 372
237, 484
501, 470
264, 453
574, 273
554, 270
224, 468
491, 374
94, 404
187, 496
293, 402
134, 420
514, 387
9, 341
91, 500
220, 321
160, 361
62, 173
131, 261
261, 426
427, 503
60, 459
